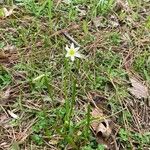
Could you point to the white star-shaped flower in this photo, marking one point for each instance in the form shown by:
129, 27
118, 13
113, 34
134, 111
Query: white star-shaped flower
73, 52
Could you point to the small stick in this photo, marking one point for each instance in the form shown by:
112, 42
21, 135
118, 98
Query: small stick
71, 39
73, 27
115, 143
59, 1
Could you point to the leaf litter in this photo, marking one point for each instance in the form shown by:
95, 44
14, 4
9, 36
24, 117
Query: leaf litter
5, 95
8, 55
4, 12
138, 89
101, 127
12, 114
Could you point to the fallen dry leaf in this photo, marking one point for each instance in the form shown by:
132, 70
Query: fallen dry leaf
5, 95
138, 89
122, 5
82, 11
3, 117
113, 21
104, 129
10, 48
2, 55
4, 12
97, 114
98, 22
8, 55
101, 127
7, 12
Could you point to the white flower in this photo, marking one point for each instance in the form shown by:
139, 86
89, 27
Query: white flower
73, 52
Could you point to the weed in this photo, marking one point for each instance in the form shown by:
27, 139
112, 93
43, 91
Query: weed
147, 23
142, 61
54, 90
115, 38
2, 44
102, 6
124, 135
5, 77
138, 139
37, 139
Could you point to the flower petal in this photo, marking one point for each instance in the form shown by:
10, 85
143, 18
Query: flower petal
67, 55
77, 48
72, 58
67, 48
72, 46
78, 55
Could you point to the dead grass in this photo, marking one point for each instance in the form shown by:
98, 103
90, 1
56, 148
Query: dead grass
112, 51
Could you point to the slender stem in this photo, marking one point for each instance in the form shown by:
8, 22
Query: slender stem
50, 5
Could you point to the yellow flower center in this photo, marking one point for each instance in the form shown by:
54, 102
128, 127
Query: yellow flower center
71, 52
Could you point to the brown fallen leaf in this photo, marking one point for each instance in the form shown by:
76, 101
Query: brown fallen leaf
3, 117
3, 55
138, 89
97, 114
5, 95
101, 127
99, 22
8, 55
113, 21
82, 11
104, 129
4, 12
122, 5
10, 48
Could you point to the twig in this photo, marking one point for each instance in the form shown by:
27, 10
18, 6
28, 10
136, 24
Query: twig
115, 143
59, 1
71, 38
65, 30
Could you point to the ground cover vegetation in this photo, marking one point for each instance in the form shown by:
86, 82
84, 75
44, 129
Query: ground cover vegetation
74, 74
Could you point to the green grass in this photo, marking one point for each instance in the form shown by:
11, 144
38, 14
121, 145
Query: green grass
56, 109
5, 77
